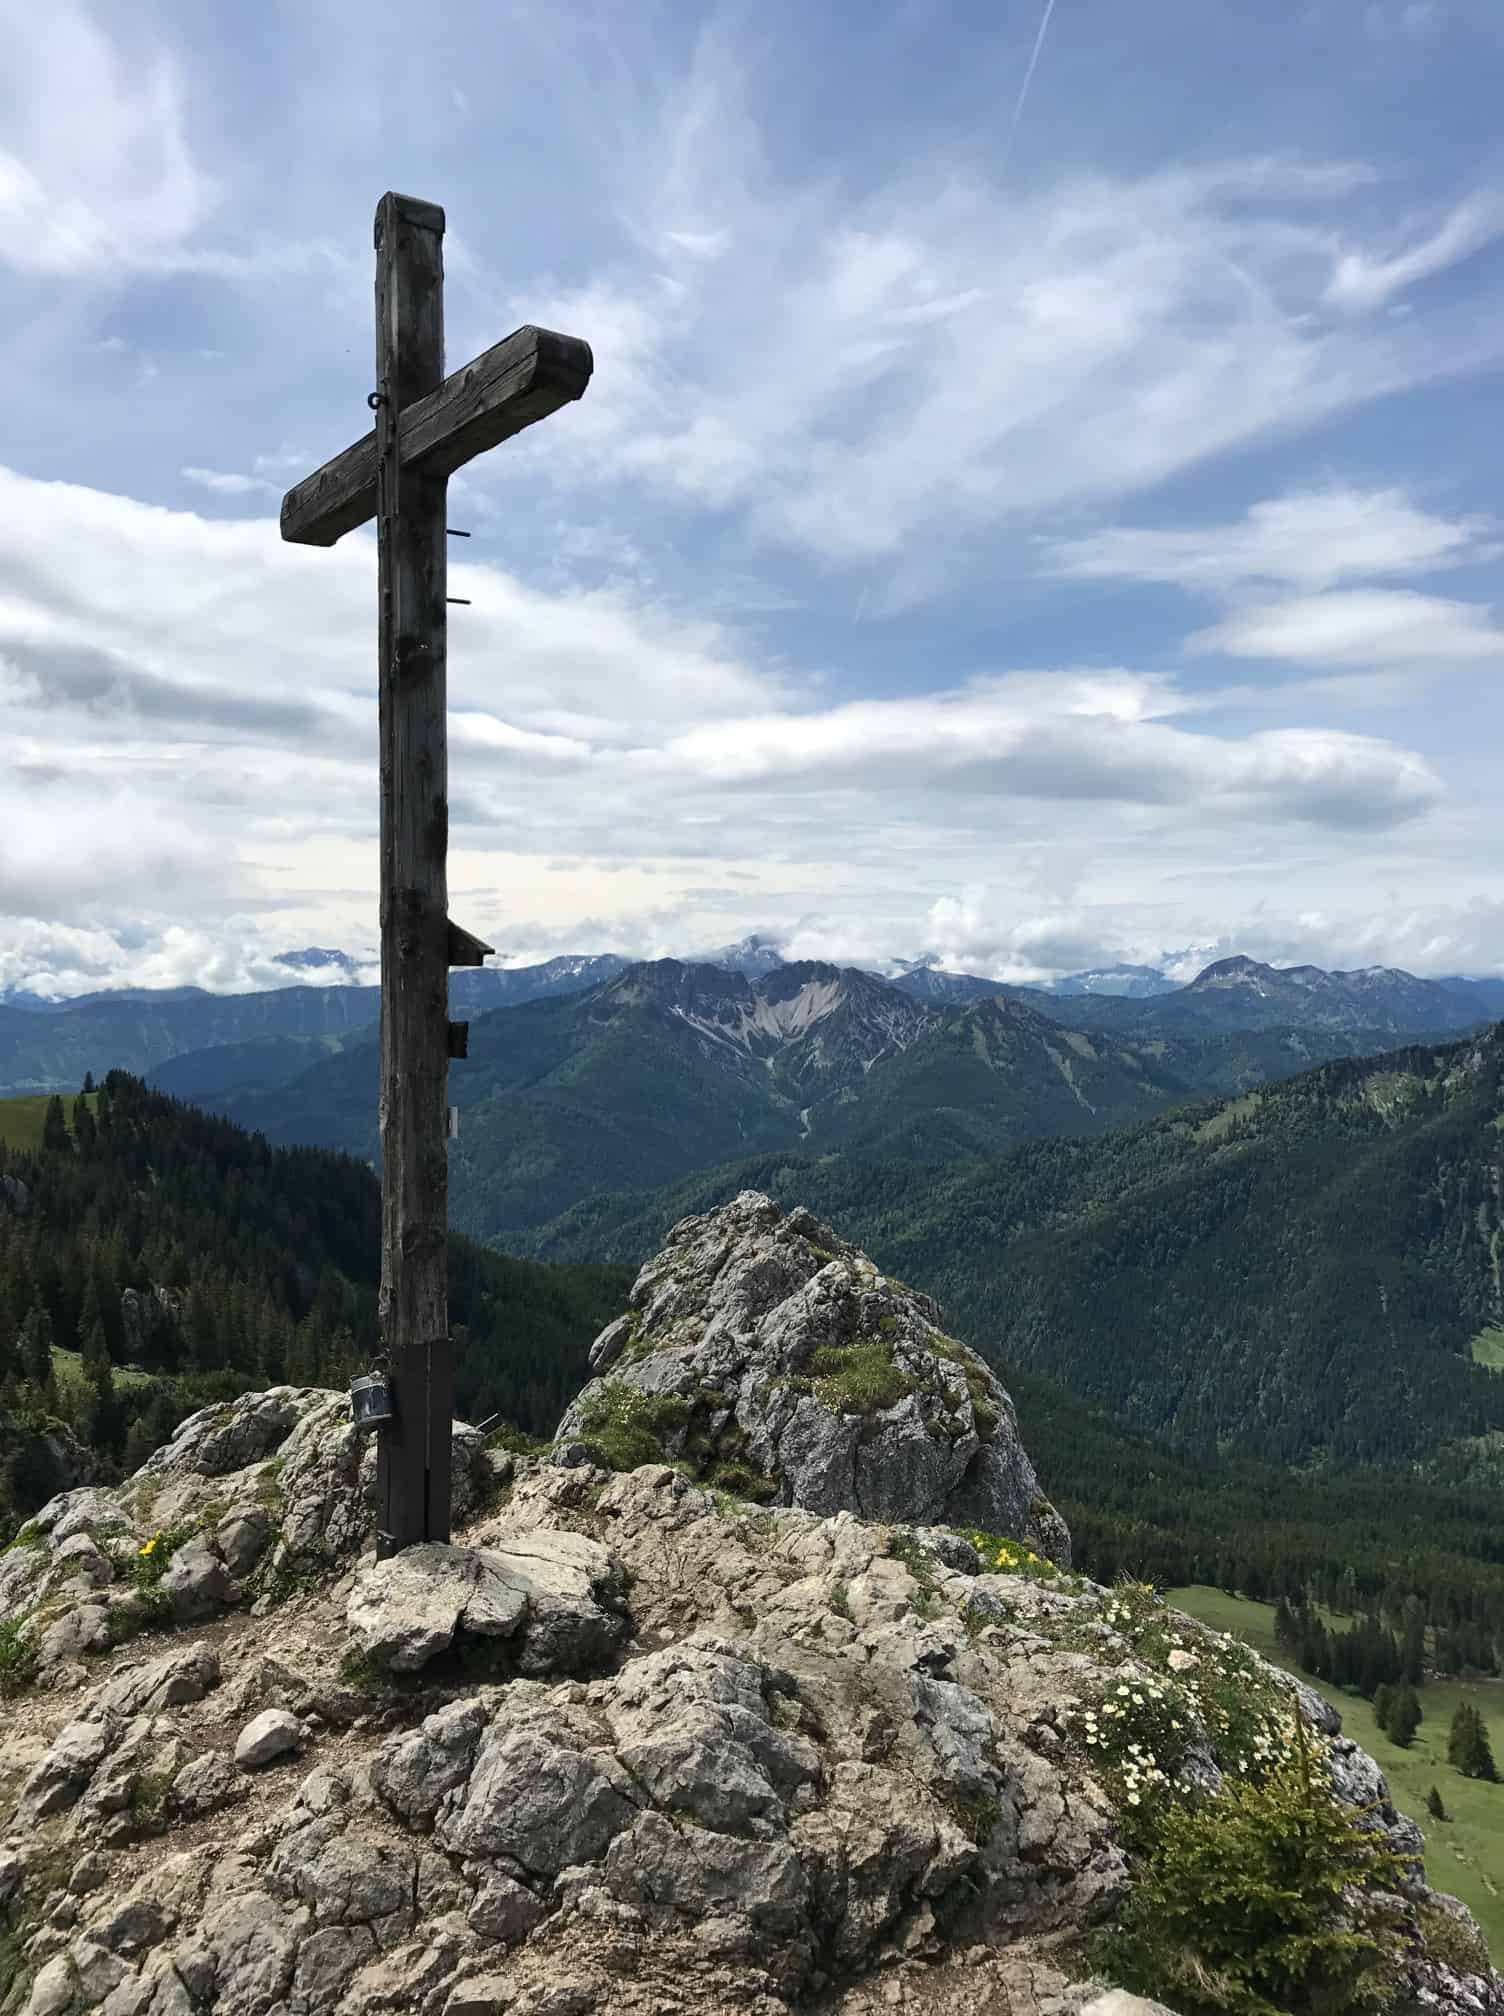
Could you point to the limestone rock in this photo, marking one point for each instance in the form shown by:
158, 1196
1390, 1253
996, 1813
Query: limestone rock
788, 1367
197, 1584
273, 1734
242, 1537
713, 1759
556, 1597
300, 1479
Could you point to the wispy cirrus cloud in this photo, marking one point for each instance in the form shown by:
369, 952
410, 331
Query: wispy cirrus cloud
1368, 277
1359, 627
947, 354
1311, 539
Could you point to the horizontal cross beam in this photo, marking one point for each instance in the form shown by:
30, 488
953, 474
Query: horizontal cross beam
525, 377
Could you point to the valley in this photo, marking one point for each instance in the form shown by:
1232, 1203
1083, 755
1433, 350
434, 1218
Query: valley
1465, 1852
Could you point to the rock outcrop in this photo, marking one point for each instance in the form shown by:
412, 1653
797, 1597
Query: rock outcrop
635, 1742
779, 1362
626, 1746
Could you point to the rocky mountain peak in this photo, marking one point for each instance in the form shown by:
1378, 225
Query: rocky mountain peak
779, 1361
1237, 971
631, 1746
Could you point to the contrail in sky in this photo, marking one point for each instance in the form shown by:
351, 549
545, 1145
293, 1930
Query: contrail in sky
1023, 89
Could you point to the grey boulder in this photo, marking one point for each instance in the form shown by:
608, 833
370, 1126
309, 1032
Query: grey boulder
273, 1734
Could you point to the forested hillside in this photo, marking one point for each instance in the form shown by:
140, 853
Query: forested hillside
1293, 1276
668, 1069
152, 1258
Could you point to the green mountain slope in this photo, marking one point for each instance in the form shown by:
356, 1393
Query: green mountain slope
1295, 1276
268, 1263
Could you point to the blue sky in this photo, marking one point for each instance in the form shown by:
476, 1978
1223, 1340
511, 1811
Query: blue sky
1037, 526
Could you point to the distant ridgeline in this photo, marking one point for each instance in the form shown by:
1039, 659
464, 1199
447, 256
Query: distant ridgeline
1250, 1341
668, 1068
153, 1258
1296, 1276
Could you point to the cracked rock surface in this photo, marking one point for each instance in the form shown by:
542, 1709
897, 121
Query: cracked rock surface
776, 1358
797, 1762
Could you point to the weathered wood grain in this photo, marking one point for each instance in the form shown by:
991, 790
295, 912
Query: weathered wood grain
413, 1462
522, 379
427, 426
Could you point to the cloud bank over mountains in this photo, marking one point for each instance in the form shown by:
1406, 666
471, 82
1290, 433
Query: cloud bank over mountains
1045, 553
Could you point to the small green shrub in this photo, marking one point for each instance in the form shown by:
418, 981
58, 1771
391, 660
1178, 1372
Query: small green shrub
741, 1480
359, 1671
1456, 1945
148, 1793
18, 1657
902, 1547
516, 1441
840, 1599
628, 1428
1244, 1710
30, 1535
976, 1814
1261, 1901
154, 1558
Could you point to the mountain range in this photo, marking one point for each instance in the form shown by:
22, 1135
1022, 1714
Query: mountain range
669, 1068
276, 1033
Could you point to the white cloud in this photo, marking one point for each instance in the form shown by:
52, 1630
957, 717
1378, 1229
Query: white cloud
607, 754
949, 358
226, 483
1360, 627
1060, 739
1307, 539
97, 172
985, 929
1366, 279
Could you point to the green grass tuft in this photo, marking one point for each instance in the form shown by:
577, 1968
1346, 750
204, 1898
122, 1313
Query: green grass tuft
627, 1428
18, 1657
859, 1378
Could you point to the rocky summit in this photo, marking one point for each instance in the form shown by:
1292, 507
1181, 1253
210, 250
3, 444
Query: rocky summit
637, 1742
773, 1359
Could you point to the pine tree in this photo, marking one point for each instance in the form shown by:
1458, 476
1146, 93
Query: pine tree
55, 1128
84, 1131
36, 1346
1383, 1706
88, 1081
1404, 1716
96, 1352
1413, 1645
1468, 1746
1434, 1806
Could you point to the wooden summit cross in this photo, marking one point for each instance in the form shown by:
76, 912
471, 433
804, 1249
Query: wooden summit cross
427, 426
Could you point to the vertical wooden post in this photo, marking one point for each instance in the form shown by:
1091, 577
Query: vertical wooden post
413, 1482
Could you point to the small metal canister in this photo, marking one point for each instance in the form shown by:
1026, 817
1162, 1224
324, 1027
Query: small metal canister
370, 1400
